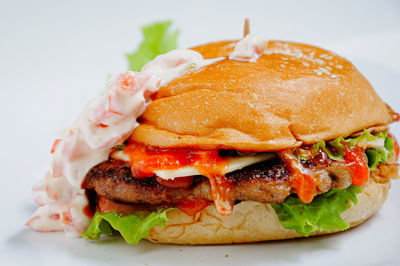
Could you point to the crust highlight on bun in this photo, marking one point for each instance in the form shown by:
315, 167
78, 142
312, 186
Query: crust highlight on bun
253, 222
293, 94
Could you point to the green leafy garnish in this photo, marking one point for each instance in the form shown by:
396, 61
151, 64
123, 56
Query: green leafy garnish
377, 155
380, 156
132, 227
157, 39
323, 213
121, 147
339, 148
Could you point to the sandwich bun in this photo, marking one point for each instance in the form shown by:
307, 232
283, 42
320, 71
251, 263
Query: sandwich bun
253, 222
293, 94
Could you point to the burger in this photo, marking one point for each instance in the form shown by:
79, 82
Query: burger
227, 142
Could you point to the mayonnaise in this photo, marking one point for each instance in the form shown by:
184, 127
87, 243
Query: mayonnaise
106, 122
249, 49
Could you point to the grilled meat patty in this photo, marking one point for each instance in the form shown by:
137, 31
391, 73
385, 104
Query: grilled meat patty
267, 182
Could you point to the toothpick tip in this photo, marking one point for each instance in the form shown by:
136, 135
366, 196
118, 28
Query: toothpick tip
246, 27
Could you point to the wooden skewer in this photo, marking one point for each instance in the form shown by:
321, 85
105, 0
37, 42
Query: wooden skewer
246, 27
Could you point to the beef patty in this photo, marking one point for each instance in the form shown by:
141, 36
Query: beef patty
266, 182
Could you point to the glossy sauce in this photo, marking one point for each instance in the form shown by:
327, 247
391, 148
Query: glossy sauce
144, 161
88, 211
54, 146
178, 182
395, 116
354, 159
191, 207
302, 179
105, 205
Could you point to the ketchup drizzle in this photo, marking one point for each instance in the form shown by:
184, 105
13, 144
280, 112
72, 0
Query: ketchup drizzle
356, 163
145, 160
302, 179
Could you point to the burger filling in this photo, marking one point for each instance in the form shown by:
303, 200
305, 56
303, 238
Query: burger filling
143, 183
132, 189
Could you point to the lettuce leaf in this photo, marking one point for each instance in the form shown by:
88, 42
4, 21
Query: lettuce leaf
98, 227
376, 155
337, 154
323, 213
157, 39
380, 156
132, 227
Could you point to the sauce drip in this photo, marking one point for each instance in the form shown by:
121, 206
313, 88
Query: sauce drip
179, 182
302, 179
396, 117
88, 211
54, 146
354, 159
191, 207
105, 205
144, 161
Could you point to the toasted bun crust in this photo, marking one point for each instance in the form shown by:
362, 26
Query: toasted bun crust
252, 221
293, 94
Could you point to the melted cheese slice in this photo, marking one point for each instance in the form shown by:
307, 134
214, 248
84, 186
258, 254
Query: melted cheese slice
235, 163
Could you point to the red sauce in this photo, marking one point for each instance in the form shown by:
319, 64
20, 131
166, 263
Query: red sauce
102, 125
221, 190
88, 211
356, 163
302, 179
179, 182
55, 143
55, 216
144, 161
395, 116
309, 154
66, 217
191, 207
395, 146
322, 158
106, 205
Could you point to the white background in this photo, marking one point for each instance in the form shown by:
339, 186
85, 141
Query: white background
56, 55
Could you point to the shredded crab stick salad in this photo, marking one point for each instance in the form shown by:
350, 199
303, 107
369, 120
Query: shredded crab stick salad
104, 124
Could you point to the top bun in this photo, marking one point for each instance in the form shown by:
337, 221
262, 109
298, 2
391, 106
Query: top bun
293, 94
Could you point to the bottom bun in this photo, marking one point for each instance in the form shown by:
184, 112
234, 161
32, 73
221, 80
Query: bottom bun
253, 221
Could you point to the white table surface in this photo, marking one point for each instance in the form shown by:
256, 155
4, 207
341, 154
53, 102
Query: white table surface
55, 56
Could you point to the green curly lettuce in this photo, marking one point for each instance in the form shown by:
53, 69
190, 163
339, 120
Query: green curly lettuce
132, 227
157, 39
323, 213
376, 155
